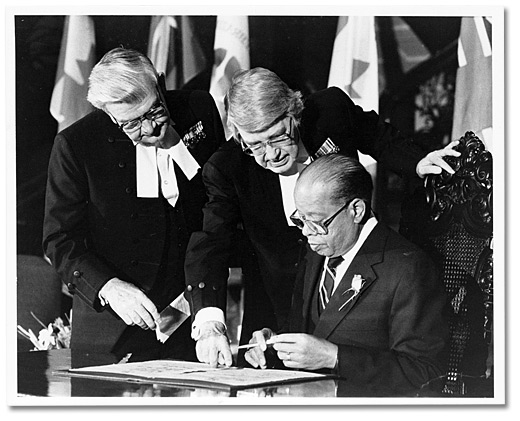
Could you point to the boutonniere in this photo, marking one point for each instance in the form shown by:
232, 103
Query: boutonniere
194, 135
355, 287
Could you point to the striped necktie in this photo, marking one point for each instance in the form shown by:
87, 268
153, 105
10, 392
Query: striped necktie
328, 281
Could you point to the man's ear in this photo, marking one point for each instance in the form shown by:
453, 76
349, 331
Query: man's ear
161, 81
360, 208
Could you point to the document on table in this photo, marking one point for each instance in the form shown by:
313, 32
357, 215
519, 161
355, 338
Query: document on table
194, 374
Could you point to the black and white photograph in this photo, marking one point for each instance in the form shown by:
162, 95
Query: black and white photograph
255, 206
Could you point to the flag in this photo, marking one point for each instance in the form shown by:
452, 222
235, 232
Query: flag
193, 59
174, 49
473, 87
231, 51
77, 58
354, 68
161, 48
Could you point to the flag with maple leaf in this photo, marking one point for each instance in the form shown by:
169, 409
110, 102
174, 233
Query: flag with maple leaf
175, 50
77, 58
231, 51
354, 68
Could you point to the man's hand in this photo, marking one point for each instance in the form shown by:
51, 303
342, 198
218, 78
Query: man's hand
433, 163
255, 356
300, 350
129, 303
213, 345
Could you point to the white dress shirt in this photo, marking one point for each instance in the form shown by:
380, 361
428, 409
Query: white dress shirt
287, 184
341, 269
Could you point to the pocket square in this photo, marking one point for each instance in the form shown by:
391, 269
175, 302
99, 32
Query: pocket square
194, 135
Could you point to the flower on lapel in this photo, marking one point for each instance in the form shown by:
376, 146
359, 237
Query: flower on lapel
355, 287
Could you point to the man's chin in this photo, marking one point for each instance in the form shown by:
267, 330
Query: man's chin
284, 169
150, 142
318, 248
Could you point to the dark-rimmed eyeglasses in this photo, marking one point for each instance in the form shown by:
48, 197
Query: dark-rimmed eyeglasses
317, 227
156, 112
259, 148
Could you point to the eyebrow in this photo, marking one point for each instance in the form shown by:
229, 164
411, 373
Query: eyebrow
154, 105
313, 216
271, 137
279, 133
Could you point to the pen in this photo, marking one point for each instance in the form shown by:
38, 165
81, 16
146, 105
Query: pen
247, 346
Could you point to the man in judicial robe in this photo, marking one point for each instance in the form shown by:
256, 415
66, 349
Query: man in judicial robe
124, 193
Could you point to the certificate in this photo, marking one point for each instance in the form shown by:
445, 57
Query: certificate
194, 374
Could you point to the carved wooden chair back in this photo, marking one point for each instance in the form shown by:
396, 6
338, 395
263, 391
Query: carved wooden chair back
452, 218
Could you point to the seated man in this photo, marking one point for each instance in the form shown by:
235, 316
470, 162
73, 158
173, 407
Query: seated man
250, 183
367, 302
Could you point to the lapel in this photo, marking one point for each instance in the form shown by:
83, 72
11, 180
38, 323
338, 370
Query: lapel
370, 254
313, 269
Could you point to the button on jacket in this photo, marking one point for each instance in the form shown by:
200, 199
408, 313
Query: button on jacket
242, 193
96, 227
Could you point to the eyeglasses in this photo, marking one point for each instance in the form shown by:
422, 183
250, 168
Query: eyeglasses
155, 113
317, 227
259, 148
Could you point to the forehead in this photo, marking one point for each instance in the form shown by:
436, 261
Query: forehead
276, 130
313, 199
124, 111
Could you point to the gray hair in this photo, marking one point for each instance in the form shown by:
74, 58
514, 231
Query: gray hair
347, 177
122, 75
258, 98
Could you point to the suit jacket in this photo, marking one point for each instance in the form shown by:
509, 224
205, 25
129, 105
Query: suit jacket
395, 330
96, 227
241, 193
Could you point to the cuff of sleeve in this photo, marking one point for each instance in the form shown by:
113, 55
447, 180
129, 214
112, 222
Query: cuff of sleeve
207, 314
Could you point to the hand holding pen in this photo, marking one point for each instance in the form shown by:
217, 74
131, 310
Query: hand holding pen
294, 350
257, 347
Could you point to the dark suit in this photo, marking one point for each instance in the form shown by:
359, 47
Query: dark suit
96, 227
243, 193
395, 329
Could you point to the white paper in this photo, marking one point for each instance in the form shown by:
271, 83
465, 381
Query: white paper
200, 374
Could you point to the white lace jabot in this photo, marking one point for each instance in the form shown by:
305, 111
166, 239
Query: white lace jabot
155, 166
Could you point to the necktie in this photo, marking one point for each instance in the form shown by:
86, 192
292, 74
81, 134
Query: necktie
328, 281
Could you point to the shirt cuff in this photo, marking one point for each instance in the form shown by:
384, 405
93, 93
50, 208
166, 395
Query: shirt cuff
207, 314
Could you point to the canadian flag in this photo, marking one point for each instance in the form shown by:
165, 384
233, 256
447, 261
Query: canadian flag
354, 68
174, 49
77, 58
231, 51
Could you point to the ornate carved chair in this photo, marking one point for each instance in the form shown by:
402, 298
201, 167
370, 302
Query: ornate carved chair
452, 218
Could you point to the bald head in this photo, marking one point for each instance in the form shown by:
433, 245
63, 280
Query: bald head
335, 178
332, 198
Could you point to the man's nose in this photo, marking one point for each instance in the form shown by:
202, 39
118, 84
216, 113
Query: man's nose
148, 127
307, 231
271, 151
